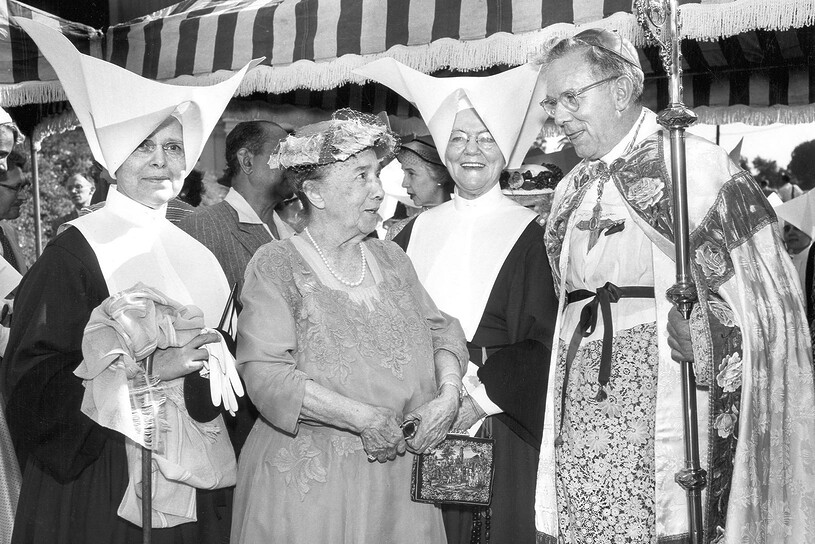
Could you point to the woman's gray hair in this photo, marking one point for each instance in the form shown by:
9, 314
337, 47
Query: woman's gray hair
604, 63
297, 177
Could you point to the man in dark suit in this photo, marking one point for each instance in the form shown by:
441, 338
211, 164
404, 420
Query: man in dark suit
245, 220
13, 184
14, 190
81, 192
13, 193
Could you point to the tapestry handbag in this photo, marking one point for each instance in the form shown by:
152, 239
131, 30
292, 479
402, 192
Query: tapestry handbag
458, 471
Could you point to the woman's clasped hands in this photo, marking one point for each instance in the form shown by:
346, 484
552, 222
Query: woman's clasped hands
424, 428
382, 436
434, 419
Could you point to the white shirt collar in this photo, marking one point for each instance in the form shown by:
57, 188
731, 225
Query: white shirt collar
245, 212
487, 201
645, 125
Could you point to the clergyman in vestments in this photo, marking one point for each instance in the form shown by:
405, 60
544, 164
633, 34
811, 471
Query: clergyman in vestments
613, 436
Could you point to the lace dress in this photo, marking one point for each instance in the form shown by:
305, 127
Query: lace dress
306, 482
605, 465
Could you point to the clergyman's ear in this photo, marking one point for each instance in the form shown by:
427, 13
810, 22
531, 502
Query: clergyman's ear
623, 92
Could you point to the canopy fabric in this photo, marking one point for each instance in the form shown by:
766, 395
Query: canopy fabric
25, 76
204, 36
746, 60
758, 77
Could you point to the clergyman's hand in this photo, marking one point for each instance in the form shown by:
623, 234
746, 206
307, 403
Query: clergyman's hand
679, 338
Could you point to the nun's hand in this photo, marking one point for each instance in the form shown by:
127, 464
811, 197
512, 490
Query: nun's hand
679, 338
172, 363
469, 413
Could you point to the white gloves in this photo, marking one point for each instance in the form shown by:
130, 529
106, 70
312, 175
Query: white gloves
224, 382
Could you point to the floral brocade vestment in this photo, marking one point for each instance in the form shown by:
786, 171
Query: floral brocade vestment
608, 462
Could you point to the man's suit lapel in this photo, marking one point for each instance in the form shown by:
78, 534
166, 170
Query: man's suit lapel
252, 236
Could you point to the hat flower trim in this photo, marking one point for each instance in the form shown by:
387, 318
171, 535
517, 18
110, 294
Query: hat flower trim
347, 133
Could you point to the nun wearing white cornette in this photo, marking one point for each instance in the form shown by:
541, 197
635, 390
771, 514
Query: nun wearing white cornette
77, 486
482, 259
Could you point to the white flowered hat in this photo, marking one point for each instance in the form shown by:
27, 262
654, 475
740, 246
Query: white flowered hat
346, 134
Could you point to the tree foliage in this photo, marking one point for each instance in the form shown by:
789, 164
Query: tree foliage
60, 156
767, 172
802, 164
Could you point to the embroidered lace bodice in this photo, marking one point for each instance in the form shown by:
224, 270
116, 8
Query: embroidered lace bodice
359, 341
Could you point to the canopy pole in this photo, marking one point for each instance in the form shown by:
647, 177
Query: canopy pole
660, 18
35, 183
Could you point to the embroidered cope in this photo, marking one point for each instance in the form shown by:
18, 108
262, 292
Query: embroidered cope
751, 348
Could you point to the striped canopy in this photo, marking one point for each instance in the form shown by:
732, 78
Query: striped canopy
745, 60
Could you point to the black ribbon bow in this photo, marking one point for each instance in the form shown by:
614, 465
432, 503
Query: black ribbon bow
602, 299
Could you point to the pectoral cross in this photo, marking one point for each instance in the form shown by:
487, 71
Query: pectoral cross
596, 224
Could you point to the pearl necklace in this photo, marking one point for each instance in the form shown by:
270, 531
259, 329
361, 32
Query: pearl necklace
343, 281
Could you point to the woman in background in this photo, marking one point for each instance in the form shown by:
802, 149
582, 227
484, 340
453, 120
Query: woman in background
426, 179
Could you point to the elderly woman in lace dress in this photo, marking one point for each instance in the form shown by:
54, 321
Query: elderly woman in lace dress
339, 346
